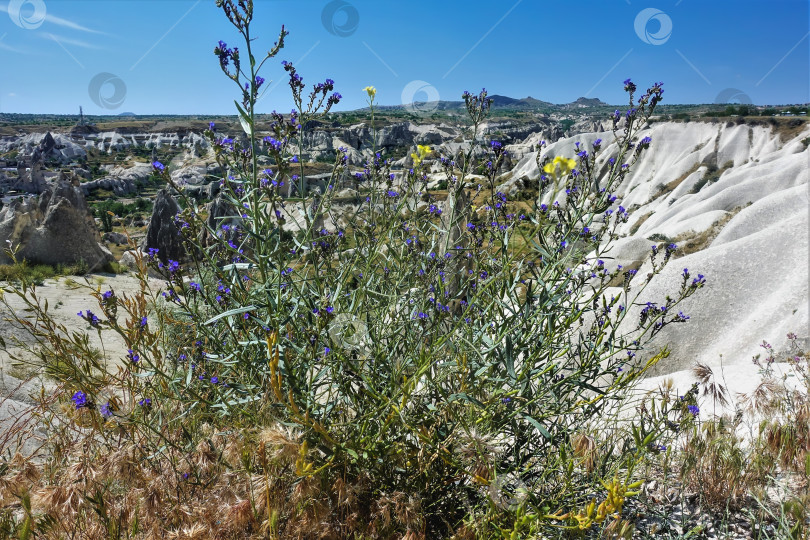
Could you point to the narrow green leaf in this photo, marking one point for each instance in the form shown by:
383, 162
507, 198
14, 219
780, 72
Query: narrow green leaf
244, 119
463, 396
510, 360
235, 311
543, 431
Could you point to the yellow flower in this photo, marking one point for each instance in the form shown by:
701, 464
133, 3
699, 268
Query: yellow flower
371, 91
564, 165
597, 514
421, 153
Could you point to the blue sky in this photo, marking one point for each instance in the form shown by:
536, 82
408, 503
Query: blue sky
156, 56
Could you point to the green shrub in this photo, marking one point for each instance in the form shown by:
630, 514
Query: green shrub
22, 271
408, 372
104, 209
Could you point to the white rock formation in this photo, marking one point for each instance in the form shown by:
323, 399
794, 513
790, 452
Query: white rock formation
55, 228
757, 264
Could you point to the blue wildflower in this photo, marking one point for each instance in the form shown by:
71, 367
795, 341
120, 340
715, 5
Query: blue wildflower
90, 317
105, 410
79, 399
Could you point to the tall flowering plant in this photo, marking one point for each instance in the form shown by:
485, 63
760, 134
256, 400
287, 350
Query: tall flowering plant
440, 356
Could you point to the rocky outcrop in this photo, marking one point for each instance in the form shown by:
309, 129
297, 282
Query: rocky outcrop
55, 229
130, 260
121, 181
112, 141
119, 186
509, 132
47, 145
202, 192
115, 238
735, 196
358, 140
739, 195
222, 216
163, 233
54, 149
319, 140
194, 175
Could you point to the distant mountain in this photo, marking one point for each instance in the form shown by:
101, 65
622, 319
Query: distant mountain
127, 114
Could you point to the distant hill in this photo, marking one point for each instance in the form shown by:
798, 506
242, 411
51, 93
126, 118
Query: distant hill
512, 103
500, 102
127, 114
536, 102
589, 102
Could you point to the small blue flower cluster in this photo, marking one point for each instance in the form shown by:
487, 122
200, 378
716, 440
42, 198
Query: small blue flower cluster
90, 317
79, 399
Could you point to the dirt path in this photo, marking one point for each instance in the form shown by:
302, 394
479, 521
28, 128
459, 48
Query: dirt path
66, 297
22, 381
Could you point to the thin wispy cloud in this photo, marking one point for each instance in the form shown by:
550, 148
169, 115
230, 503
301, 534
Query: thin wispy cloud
67, 41
72, 25
59, 21
9, 48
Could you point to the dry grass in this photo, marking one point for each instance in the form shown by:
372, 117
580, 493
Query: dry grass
788, 127
691, 242
669, 187
639, 222
715, 461
233, 485
621, 277
717, 466
753, 462
98, 482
